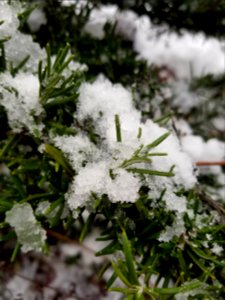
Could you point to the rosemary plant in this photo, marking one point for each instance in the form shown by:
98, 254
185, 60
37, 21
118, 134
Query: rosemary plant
78, 152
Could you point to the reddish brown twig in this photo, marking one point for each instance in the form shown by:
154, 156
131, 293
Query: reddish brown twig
66, 239
210, 163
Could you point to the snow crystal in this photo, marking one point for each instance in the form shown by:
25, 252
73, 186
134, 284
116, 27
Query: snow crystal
176, 229
217, 249
20, 97
173, 202
91, 179
78, 149
36, 19
124, 188
185, 296
28, 231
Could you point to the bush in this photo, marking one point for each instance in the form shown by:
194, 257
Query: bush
110, 122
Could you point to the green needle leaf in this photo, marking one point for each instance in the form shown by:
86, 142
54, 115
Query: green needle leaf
158, 141
58, 157
118, 129
129, 259
150, 172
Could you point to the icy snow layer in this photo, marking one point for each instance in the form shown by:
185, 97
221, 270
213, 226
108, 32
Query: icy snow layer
99, 170
29, 233
211, 150
20, 45
20, 97
187, 54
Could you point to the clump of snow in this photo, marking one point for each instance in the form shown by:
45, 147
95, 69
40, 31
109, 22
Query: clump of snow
36, 19
95, 178
177, 229
20, 97
20, 45
219, 123
217, 249
101, 101
29, 232
103, 171
4, 170
200, 150
186, 54
124, 188
127, 22
78, 149
98, 18
10, 21
91, 179
68, 2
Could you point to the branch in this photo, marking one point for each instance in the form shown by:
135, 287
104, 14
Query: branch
64, 238
212, 203
210, 163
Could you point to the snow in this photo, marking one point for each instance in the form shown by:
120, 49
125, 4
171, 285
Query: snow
11, 23
185, 99
91, 179
124, 188
217, 249
219, 123
99, 170
186, 54
20, 45
98, 18
176, 229
200, 150
21, 217
36, 19
21, 101
78, 149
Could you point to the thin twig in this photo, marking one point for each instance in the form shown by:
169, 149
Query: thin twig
66, 239
210, 163
212, 203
